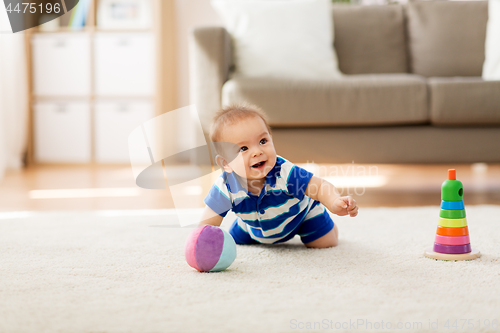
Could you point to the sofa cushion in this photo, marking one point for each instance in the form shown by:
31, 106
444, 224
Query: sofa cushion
446, 38
372, 99
491, 66
280, 38
370, 39
464, 101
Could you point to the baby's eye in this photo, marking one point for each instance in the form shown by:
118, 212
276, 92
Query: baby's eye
244, 148
263, 141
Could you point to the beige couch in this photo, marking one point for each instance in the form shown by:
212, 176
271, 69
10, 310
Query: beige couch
412, 92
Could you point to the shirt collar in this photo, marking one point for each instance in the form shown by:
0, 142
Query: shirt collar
273, 174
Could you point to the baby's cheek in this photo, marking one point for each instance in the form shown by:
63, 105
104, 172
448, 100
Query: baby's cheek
239, 168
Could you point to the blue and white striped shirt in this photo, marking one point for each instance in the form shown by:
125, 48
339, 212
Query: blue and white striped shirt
276, 212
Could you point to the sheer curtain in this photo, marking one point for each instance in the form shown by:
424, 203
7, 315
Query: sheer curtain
13, 96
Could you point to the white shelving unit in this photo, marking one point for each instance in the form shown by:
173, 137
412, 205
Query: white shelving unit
90, 88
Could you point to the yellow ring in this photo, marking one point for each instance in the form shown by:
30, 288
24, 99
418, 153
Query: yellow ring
452, 223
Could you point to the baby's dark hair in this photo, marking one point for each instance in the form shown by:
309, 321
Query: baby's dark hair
232, 114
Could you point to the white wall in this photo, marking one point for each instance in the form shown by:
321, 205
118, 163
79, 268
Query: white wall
189, 14
13, 97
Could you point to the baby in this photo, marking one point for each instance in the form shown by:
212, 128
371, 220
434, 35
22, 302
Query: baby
273, 199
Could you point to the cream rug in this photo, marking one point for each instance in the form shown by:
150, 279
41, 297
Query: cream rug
119, 271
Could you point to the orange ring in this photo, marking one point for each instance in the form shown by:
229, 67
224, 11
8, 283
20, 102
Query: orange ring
444, 231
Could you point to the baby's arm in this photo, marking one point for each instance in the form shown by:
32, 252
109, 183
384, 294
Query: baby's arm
210, 217
324, 192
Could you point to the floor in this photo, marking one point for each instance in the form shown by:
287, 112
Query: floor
44, 188
93, 272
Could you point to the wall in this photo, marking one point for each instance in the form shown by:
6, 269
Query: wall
189, 14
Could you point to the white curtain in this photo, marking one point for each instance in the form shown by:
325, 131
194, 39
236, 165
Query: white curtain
13, 96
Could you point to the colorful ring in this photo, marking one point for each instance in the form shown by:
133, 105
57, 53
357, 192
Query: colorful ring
443, 231
473, 254
452, 223
452, 249
452, 214
457, 240
452, 205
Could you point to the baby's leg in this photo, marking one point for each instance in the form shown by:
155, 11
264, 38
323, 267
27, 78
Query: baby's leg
318, 230
328, 240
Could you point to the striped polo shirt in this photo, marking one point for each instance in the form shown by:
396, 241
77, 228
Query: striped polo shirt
276, 212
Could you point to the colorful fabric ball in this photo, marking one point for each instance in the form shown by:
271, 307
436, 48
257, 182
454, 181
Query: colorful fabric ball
210, 249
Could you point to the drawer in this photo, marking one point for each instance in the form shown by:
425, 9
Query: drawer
124, 64
114, 121
62, 132
61, 64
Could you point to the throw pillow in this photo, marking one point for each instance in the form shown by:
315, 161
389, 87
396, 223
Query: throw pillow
281, 38
491, 67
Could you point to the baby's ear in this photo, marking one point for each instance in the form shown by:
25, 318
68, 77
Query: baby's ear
223, 163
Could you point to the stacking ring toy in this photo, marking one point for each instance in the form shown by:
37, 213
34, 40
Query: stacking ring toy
452, 240
444, 231
452, 249
452, 223
446, 240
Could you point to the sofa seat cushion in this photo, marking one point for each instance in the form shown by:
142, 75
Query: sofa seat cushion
464, 101
371, 99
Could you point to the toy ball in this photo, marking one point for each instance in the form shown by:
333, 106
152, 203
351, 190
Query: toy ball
210, 249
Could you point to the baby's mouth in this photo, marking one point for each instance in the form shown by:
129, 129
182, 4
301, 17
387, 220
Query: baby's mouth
259, 165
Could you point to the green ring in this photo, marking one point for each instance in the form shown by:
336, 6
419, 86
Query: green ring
452, 214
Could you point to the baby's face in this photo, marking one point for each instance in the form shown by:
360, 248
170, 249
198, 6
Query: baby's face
256, 156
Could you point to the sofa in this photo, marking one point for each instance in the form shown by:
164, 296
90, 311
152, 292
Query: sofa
411, 91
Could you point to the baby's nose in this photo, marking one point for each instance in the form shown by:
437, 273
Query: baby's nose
257, 152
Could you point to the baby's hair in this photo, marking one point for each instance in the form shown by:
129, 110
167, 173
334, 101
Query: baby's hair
232, 114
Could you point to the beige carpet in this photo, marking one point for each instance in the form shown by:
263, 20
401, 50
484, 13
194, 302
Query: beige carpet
115, 272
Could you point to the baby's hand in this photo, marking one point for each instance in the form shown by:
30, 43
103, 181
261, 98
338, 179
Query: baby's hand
345, 205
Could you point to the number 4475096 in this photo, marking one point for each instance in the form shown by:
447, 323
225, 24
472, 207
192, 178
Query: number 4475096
34, 7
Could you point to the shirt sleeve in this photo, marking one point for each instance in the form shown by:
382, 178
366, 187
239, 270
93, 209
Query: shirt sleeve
296, 178
218, 198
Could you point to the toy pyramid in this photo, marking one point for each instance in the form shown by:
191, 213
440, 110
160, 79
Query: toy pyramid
452, 240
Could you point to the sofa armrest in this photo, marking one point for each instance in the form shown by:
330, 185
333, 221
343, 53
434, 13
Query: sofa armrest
209, 62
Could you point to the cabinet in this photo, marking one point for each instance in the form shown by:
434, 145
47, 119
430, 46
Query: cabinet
62, 131
114, 121
90, 88
124, 64
61, 64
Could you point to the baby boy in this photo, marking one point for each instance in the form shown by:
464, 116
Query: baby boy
273, 199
